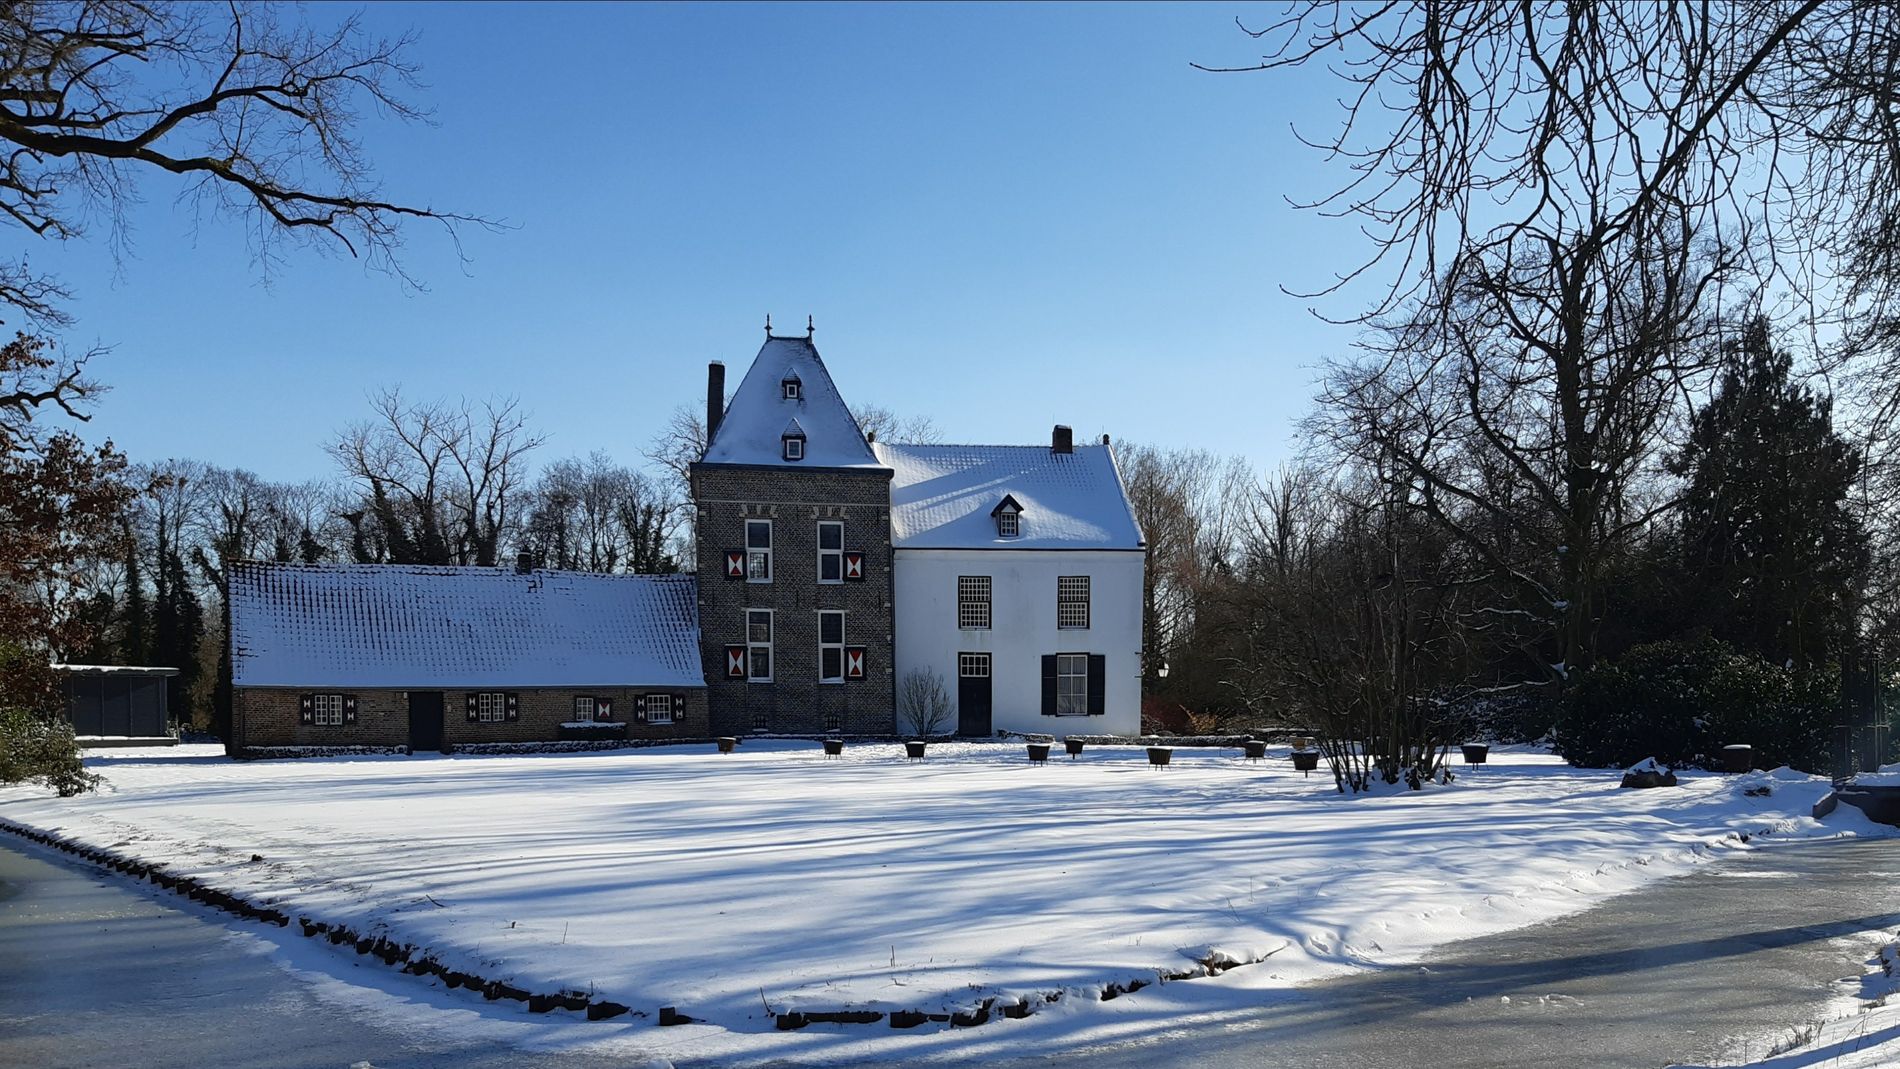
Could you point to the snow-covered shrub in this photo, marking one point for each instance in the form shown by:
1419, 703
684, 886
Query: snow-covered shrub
1681, 702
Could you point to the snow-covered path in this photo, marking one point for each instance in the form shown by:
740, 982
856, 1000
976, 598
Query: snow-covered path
776, 879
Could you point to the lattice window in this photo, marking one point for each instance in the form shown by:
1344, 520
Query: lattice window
326, 710
1072, 602
973, 602
1072, 684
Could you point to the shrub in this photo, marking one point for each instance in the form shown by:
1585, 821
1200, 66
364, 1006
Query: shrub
923, 703
1681, 702
41, 749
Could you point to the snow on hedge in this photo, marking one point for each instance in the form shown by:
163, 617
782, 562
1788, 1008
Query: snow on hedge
777, 878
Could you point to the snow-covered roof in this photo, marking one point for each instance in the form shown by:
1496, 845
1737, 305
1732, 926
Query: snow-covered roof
943, 497
760, 414
387, 625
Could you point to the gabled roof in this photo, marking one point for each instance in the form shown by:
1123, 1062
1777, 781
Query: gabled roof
757, 419
401, 626
945, 497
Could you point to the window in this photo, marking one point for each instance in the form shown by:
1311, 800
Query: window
1006, 524
1072, 602
830, 647
326, 710
794, 448
973, 665
758, 551
973, 602
758, 642
1072, 684
583, 710
792, 389
831, 551
491, 707
657, 708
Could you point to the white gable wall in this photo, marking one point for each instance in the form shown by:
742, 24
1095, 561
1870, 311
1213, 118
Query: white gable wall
1023, 629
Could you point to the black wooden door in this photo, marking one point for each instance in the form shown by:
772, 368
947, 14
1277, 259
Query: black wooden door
973, 695
425, 720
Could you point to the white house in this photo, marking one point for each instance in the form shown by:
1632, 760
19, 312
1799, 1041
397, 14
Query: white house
1017, 576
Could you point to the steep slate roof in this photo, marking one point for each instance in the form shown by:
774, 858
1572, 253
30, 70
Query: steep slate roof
385, 625
942, 497
759, 414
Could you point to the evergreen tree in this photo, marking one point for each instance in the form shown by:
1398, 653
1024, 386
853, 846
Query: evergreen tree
178, 627
135, 636
1772, 553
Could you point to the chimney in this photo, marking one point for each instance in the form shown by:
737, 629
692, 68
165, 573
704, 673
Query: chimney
524, 563
1062, 441
715, 398
1104, 439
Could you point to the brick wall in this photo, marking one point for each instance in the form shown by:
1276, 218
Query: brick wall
795, 701
269, 717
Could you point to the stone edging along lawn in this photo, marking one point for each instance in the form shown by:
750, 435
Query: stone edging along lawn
417, 961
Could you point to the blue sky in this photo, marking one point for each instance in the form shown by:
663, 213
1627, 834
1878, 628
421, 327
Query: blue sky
1001, 217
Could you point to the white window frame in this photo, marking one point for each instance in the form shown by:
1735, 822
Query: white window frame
656, 708
973, 609
491, 706
827, 647
1072, 684
791, 389
794, 448
752, 646
973, 666
758, 560
836, 556
326, 710
1008, 523
1072, 603
584, 706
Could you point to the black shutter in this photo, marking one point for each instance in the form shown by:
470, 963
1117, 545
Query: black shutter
349, 708
471, 706
306, 708
603, 708
1049, 684
679, 706
639, 707
514, 706
1098, 672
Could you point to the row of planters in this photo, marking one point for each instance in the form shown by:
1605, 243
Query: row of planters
1305, 756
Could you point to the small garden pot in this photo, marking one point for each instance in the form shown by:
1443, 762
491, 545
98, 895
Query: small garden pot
1038, 753
1159, 756
1074, 746
1305, 760
1476, 753
1738, 758
914, 749
834, 747
726, 743
1255, 749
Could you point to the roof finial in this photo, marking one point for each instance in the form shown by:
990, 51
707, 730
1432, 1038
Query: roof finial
809, 329
768, 324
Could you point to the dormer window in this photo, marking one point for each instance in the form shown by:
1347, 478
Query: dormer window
794, 448
1008, 516
792, 388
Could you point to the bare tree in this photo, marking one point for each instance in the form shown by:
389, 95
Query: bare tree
255, 117
595, 515
438, 483
880, 424
923, 703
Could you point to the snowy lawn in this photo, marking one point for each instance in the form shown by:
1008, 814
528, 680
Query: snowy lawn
774, 877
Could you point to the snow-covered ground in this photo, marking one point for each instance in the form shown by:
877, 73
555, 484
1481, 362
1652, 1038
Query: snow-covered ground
776, 879
1862, 1032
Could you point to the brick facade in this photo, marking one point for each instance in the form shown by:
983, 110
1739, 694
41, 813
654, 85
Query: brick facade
796, 501
270, 717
